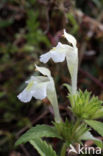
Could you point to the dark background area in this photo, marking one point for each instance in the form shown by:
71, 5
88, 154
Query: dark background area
29, 28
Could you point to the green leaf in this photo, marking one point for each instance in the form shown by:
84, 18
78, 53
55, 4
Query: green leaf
71, 132
88, 136
38, 131
96, 125
85, 106
42, 147
68, 87
73, 22
5, 23
98, 114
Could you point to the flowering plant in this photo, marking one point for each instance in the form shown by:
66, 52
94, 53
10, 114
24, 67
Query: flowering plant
84, 108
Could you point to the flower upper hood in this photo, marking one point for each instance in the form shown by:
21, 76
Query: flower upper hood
70, 38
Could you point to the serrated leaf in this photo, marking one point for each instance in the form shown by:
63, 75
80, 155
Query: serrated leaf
42, 147
85, 106
71, 132
89, 136
96, 125
38, 131
98, 114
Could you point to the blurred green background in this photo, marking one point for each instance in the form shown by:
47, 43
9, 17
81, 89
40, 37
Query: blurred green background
29, 28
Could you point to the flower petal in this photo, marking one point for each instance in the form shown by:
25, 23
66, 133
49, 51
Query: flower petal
36, 87
45, 57
57, 54
40, 91
44, 71
70, 38
37, 79
25, 96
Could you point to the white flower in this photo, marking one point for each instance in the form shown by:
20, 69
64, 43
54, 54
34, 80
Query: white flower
36, 87
41, 87
57, 54
62, 52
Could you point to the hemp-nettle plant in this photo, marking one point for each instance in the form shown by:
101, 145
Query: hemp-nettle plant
86, 109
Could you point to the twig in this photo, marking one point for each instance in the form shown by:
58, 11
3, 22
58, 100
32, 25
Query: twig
82, 51
24, 150
97, 82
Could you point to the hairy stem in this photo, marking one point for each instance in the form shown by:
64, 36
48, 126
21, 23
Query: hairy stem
63, 150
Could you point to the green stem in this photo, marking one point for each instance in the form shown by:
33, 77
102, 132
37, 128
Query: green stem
63, 150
